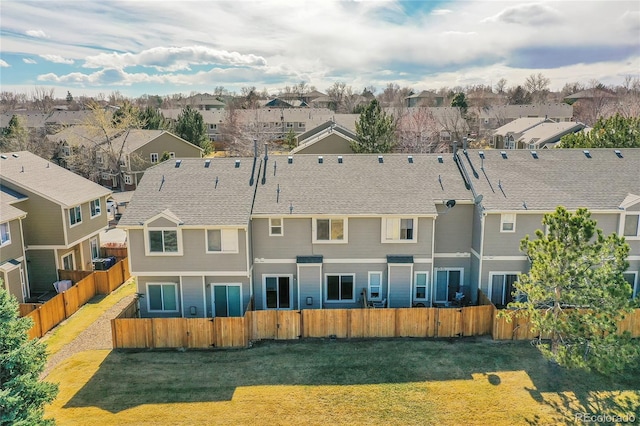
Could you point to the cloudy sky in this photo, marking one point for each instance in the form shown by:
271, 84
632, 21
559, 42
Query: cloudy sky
164, 47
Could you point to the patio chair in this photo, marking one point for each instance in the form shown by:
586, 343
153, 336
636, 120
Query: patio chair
380, 304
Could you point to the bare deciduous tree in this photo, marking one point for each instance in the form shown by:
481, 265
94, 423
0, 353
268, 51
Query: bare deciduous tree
538, 86
418, 132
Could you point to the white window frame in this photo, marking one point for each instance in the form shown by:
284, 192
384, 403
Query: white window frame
369, 285
105, 176
301, 125
624, 222
506, 218
434, 282
72, 214
339, 274
152, 156
396, 223
273, 226
504, 283
94, 206
128, 179
175, 288
73, 261
345, 228
289, 125
66, 150
213, 298
427, 290
147, 242
229, 241
264, 291
635, 287
5, 229
99, 158
93, 242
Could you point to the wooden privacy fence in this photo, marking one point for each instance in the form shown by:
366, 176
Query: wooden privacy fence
47, 315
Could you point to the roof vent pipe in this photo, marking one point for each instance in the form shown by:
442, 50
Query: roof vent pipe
464, 144
455, 147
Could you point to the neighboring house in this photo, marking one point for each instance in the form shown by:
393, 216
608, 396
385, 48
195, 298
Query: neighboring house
309, 231
64, 216
12, 257
425, 98
140, 148
281, 103
328, 138
205, 102
496, 116
188, 228
532, 133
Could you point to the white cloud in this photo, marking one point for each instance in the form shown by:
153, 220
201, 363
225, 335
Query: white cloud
441, 12
3, 64
28, 61
36, 33
528, 14
173, 58
57, 59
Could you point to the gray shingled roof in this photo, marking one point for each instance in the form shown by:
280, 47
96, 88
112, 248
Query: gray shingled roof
7, 198
558, 177
519, 125
190, 193
360, 185
33, 173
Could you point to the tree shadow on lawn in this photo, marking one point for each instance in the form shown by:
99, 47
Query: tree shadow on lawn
127, 379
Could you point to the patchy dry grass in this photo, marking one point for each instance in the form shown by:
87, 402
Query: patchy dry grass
400, 381
86, 315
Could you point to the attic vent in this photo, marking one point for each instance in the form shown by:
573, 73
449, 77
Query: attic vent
481, 154
207, 163
504, 154
440, 159
320, 160
237, 164
380, 159
618, 153
15, 155
290, 160
534, 154
587, 153
178, 162
339, 159
410, 159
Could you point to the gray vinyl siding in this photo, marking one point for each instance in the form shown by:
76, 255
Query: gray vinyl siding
332, 144
490, 266
464, 263
400, 282
310, 285
44, 224
12, 282
144, 300
42, 270
161, 222
246, 290
476, 233
474, 269
261, 269
88, 225
454, 229
194, 256
193, 296
12, 250
498, 243
363, 234
167, 143
607, 222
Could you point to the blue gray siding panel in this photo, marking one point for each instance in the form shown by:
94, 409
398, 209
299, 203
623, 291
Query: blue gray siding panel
193, 296
310, 285
400, 279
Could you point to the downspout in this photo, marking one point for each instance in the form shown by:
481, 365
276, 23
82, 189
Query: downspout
253, 182
433, 251
24, 256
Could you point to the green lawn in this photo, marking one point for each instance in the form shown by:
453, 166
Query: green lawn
402, 381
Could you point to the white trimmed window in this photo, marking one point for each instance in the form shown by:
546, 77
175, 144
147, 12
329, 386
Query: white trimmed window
68, 263
75, 215
375, 286
421, 287
163, 241
340, 287
330, 230
222, 240
154, 157
99, 158
396, 229
95, 207
632, 279
128, 179
631, 229
289, 125
276, 227
508, 222
95, 250
66, 150
162, 297
501, 287
5, 234
105, 176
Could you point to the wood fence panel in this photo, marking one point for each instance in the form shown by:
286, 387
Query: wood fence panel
102, 282
325, 322
413, 322
71, 301
118, 252
502, 328
169, 332
86, 289
477, 320
230, 332
74, 276
126, 273
131, 311
377, 322
200, 332
26, 308
35, 332
52, 313
449, 322
264, 324
132, 333
483, 300
288, 325
630, 323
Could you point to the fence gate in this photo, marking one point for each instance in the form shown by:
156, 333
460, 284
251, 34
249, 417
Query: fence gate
449, 322
288, 325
